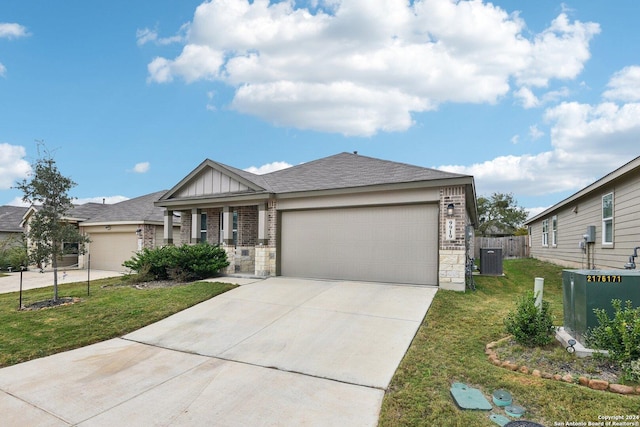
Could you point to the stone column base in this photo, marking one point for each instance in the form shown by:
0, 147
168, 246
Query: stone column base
231, 257
452, 264
265, 261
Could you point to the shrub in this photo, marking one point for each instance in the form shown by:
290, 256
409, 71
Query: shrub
184, 263
13, 257
620, 336
530, 326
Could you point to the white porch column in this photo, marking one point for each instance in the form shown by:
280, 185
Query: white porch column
168, 227
227, 226
196, 225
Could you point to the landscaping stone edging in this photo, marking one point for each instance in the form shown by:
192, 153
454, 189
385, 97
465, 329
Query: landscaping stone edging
593, 384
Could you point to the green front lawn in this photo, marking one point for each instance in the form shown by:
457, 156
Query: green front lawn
110, 311
449, 347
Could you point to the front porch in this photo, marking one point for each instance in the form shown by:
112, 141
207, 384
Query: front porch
242, 231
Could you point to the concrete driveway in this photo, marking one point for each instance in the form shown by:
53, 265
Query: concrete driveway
280, 351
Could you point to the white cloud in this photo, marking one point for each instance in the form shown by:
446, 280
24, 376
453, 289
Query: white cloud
269, 167
147, 35
13, 166
525, 97
10, 30
588, 141
625, 85
142, 167
535, 133
515, 139
358, 67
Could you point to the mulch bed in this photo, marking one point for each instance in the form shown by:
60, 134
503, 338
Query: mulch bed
50, 303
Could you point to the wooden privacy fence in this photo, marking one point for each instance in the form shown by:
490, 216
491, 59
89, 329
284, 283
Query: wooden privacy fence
512, 246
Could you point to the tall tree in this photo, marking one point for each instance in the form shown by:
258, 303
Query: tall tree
47, 191
500, 213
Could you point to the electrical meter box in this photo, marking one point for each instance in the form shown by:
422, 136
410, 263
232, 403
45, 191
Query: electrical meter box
585, 290
590, 236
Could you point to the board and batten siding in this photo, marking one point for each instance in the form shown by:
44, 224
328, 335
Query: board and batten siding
575, 217
208, 182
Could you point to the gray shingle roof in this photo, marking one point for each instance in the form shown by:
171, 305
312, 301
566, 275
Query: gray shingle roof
348, 170
86, 211
137, 209
11, 217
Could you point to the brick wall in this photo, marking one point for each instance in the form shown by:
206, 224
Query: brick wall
272, 218
213, 225
455, 195
185, 226
247, 225
452, 254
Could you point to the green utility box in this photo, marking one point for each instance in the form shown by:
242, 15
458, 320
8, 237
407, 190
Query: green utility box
585, 290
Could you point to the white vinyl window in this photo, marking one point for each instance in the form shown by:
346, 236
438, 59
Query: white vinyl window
554, 230
203, 228
545, 232
607, 219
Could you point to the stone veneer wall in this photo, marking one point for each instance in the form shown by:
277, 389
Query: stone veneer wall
452, 253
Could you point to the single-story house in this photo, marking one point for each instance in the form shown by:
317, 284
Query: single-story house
75, 216
10, 219
116, 231
597, 227
121, 229
346, 216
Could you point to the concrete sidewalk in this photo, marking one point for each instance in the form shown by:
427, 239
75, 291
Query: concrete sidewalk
32, 279
276, 352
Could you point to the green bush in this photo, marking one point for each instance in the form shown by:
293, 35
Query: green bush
13, 257
183, 263
620, 336
528, 325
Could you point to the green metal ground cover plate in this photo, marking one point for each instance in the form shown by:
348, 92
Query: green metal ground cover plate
469, 398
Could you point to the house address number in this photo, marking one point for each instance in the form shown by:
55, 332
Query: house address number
604, 278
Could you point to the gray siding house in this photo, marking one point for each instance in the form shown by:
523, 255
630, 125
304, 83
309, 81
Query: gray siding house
345, 216
597, 227
11, 233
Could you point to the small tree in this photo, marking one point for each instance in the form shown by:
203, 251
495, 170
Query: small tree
47, 190
500, 212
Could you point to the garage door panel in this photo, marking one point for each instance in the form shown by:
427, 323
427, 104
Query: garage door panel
109, 250
386, 244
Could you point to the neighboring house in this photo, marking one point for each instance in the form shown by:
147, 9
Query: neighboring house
11, 233
116, 231
119, 230
345, 216
597, 227
75, 216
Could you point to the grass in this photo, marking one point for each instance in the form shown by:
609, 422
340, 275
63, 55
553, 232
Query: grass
110, 311
449, 347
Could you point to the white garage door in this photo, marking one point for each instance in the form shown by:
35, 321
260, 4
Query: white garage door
109, 250
381, 244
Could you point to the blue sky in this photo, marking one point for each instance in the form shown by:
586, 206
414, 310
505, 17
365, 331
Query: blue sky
537, 99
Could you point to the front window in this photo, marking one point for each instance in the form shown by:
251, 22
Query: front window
554, 230
545, 232
203, 228
607, 219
